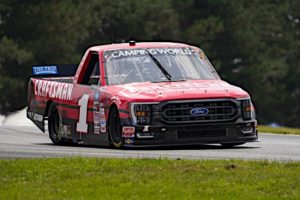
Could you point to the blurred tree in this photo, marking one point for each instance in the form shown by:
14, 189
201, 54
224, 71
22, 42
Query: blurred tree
291, 101
37, 32
12, 84
116, 21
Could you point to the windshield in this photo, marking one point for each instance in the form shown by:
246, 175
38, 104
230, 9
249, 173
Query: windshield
150, 65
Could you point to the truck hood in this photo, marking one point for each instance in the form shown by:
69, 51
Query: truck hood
190, 89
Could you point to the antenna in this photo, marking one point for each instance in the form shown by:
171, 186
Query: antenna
131, 42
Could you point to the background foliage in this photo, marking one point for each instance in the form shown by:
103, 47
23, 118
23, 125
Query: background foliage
253, 44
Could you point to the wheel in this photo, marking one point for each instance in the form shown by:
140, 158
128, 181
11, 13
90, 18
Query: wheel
114, 128
228, 145
54, 124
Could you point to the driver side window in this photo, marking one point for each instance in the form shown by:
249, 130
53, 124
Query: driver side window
92, 75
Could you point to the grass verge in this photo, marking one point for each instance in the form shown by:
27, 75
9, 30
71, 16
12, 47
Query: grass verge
101, 178
280, 130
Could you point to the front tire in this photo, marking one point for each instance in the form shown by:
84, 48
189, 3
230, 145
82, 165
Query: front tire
114, 128
54, 124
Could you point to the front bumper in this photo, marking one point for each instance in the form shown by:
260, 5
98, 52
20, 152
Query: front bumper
237, 132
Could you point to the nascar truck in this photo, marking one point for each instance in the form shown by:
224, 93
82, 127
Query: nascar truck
140, 94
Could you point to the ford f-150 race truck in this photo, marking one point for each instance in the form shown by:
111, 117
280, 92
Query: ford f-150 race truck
139, 94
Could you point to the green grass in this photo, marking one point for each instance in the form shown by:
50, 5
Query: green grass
99, 178
280, 130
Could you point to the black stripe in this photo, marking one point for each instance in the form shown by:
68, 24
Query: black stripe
124, 111
74, 107
69, 106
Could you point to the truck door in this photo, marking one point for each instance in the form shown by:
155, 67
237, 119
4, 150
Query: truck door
85, 94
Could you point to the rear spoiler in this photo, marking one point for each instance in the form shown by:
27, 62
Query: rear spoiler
54, 70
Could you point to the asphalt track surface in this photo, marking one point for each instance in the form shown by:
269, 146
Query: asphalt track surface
29, 142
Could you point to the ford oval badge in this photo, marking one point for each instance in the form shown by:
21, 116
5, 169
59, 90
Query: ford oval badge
199, 111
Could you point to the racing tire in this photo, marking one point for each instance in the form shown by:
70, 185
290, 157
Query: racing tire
229, 145
114, 128
54, 124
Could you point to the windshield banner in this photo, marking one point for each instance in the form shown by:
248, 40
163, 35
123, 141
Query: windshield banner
123, 53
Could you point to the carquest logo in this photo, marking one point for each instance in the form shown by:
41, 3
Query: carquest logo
199, 111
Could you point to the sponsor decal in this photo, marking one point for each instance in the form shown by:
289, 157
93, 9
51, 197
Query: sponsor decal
44, 70
199, 111
96, 112
30, 114
202, 55
103, 129
129, 141
102, 122
146, 128
52, 89
128, 131
97, 96
102, 111
140, 52
145, 135
35, 116
38, 117
96, 130
96, 123
102, 118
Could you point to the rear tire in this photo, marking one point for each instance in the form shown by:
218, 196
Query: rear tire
229, 145
114, 128
54, 124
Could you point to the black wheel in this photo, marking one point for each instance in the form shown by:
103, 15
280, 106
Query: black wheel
114, 128
228, 145
54, 124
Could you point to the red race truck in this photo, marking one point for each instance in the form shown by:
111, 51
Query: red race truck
138, 94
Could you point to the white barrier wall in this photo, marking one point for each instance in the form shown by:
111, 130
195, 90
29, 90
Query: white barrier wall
16, 119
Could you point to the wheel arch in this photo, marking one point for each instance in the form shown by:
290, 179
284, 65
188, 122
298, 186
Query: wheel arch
112, 106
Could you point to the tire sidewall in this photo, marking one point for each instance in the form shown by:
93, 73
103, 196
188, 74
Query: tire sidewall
113, 116
55, 137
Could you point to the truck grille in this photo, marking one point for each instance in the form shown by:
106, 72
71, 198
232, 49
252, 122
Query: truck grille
214, 111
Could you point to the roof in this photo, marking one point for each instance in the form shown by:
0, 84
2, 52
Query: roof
109, 47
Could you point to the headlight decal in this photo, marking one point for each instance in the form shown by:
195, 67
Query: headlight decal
142, 113
246, 107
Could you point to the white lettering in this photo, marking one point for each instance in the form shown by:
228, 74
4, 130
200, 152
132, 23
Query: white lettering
44, 88
129, 53
162, 51
69, 95
154, 51
64, 92
40, 84
35, 87
121, 53
47, 88
53, 89
59, 91
171, 51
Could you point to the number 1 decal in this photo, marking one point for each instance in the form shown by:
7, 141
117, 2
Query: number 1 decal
82, 125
